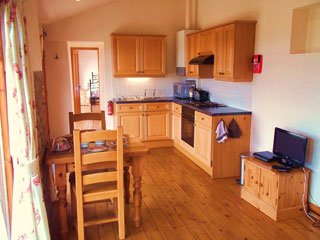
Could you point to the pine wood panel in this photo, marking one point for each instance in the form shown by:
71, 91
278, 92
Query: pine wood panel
203, 143
157, 106
152, 56
125, 52
177, 108
81, 119
252, 179
269, 187
157, 125
176, 127
206, 42
132, 123
192, 51
75, 80
203, 119
129, 107
229, 41
231, 149
219, 51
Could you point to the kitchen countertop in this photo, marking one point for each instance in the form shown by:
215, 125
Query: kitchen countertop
212, 111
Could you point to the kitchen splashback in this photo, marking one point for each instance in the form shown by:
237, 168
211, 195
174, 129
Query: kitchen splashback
136, 86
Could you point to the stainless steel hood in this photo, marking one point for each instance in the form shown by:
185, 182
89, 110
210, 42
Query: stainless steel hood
202, 60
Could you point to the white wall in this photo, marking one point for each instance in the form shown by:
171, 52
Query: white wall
125, 16
287, 93
88, 64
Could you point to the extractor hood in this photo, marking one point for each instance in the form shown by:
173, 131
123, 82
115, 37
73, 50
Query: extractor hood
202, 60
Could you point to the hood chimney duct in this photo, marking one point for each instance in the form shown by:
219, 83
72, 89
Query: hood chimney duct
188, 14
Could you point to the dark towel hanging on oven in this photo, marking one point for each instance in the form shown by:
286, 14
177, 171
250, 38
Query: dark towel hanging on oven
234, 130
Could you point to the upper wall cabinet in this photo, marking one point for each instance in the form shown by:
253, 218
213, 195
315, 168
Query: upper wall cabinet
234, 49
206, 44
138, 56
192, 51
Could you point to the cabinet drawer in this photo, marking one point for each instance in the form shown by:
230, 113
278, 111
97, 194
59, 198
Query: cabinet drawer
203, 119
158, 106
177, 108
132, 107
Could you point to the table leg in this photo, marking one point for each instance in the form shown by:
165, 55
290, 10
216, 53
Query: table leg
60, 175
126, 184
137, 194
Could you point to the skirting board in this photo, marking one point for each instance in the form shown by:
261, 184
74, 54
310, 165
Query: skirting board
314, 208
158, 143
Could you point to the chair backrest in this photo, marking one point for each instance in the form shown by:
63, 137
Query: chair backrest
85, 117
82, 160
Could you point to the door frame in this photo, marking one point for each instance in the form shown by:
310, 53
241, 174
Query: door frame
72, 50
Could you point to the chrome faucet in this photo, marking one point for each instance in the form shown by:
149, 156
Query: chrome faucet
145, 92
154, 92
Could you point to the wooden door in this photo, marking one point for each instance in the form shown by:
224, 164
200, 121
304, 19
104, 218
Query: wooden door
206, 42
268, 187
192, 51
229, 39
176, 127
75, 80
252, 178
203, 143
132, 123
157, 125
125, 53
152, 56
219, 52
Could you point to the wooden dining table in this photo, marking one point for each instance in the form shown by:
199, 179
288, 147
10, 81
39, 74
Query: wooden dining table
134, 153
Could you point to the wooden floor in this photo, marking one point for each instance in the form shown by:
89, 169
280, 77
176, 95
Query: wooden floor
180, 201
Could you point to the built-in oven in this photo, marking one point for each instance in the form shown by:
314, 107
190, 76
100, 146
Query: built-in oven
187, 126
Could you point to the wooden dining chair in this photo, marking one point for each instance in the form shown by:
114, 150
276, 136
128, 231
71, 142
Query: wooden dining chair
98, 186
73, 118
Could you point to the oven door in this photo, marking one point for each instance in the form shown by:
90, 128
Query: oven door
187, 130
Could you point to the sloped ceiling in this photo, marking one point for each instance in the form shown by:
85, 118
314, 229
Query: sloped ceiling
54, 10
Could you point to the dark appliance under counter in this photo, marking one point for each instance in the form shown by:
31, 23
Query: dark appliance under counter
187, 125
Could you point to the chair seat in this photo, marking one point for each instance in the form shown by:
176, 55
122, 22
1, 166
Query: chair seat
98, 192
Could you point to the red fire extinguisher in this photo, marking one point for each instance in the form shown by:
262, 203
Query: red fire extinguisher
110, 108
257, 64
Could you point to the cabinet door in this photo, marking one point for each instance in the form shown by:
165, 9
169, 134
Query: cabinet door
219, 52
228, 32
192, 51
252, 178
157, 125
132, 123
176, 127
125, 51
152, 60
206, 42
203, 143
268, 187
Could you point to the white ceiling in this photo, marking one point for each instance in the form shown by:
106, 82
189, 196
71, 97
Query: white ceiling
54, 10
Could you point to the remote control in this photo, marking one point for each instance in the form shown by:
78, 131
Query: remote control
281, 168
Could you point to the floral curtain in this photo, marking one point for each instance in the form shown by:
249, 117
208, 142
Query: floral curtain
29, 219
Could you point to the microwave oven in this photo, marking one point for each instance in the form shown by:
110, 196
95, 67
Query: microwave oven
181, 90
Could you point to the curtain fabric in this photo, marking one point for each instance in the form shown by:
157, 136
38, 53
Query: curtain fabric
29, 219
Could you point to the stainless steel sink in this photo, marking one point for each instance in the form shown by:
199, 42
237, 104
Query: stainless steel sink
137, 98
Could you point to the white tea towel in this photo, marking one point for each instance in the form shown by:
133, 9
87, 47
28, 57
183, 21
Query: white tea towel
221, 132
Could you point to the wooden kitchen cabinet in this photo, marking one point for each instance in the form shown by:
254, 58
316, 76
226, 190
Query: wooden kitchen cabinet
138, 56
125, 53
148, 121
277, 194
234, 49
203, 143
132, 123
206, 42
192, 51
176, 127
153, 56
157, 125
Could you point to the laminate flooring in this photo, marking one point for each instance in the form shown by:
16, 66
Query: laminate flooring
181, 201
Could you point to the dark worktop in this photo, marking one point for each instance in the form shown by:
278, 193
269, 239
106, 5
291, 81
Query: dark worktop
220, 111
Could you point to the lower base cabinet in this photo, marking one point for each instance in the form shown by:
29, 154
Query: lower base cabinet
157, 125
277, 194
176, 127
132, 123
203, 144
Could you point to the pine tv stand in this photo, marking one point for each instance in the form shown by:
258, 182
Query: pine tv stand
277, 194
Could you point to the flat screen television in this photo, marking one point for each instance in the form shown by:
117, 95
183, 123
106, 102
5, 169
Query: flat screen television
290, 147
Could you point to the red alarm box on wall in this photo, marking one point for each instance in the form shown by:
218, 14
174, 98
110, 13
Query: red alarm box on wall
257, 64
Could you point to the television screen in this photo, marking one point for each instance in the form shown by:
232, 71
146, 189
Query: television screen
290, 146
